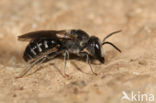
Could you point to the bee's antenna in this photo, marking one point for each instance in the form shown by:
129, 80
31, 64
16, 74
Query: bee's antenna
112, 46
103, 42
110, 35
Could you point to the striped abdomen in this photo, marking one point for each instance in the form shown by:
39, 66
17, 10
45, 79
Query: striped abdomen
40, 46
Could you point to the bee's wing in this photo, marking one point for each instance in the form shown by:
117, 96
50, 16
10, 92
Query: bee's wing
60, 34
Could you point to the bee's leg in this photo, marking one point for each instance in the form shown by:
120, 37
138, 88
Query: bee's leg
40, 60
53, 64
87, 60
66, 57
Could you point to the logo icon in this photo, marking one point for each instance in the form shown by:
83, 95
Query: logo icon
137, 96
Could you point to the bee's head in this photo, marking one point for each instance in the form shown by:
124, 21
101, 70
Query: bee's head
94, 48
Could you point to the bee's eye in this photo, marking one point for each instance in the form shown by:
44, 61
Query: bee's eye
94, 47
97, 46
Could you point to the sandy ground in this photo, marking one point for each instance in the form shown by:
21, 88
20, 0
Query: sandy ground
133, 70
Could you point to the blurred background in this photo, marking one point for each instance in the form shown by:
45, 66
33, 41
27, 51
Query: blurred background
131, 70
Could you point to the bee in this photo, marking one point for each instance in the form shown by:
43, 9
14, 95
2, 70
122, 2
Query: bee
48, 44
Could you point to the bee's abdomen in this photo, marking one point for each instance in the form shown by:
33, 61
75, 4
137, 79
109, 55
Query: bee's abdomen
40, 46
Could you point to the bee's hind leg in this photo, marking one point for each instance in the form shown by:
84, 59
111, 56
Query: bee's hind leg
38, 61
